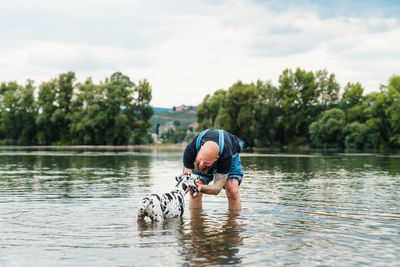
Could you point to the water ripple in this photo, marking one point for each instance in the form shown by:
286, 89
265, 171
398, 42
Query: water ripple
74, 208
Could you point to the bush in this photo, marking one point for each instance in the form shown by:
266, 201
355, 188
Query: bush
328, 131
359, 135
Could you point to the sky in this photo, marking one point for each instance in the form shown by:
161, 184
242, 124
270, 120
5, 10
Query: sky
187, 49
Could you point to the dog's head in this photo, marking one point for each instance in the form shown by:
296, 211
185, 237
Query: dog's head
188, 181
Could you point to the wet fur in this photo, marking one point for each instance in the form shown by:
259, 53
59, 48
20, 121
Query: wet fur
168, 205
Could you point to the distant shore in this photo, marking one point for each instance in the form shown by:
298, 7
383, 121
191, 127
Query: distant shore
111, 147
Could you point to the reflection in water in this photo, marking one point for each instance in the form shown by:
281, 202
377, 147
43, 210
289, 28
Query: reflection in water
202, 241
319, 164
149, 231
211, 241
74, 176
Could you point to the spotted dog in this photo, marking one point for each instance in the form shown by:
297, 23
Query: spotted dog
168, 205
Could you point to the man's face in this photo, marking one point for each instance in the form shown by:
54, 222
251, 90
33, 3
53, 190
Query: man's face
202, 164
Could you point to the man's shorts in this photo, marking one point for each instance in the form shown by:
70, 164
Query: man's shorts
234, 172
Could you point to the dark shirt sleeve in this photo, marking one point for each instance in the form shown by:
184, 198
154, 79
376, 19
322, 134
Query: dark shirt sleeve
189, 156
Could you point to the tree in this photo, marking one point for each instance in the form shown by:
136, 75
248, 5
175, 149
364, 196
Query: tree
18, 112
299, 97
359, 135
207, 112
236, 115
9, 101
47, 132
215, 104
393, 111
54, 110
203, 113
119, 116
27, 112
307, 109
143, 111
355, 135
328, 131
113, 112
61, 115
373, 121
327, 89
379, 119
351, 102
87, 110
266, 114
288, 105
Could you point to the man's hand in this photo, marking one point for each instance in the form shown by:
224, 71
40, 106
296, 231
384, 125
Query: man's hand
219, 183
186, 170
199, 186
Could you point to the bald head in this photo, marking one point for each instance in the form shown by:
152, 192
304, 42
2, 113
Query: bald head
209, 151
206, 156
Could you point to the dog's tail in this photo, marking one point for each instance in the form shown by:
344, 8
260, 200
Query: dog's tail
143, 204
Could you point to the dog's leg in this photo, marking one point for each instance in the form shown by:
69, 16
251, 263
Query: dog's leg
143, 205
158, 218
157, 212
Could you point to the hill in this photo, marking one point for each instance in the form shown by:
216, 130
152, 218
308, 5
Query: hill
168, 118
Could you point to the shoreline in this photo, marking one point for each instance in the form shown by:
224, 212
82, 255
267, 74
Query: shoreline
111, 147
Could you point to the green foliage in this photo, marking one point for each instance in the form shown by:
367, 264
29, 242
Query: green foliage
379, 119
328, 131
177, 135
87, 113
359, 135
18, 112
354, 133
352, 102
47, 130
306, 109
327, 89
289, 97
352, 96
61, 114
208, 110
266, 115
393, 111
236, 115
304, 95
115, 112
54, 104
142, 111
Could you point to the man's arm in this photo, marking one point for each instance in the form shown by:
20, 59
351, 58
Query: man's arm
219, 183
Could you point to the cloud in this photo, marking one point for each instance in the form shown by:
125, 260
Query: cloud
187, 49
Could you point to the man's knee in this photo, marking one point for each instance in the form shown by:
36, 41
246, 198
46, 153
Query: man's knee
232, 189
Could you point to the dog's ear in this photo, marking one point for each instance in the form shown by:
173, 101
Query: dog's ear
177, 178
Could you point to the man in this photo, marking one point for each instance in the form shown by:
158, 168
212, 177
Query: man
214, 155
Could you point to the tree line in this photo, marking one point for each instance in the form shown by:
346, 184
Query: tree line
306, 109
64, 112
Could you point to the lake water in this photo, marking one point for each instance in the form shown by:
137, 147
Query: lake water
78, 208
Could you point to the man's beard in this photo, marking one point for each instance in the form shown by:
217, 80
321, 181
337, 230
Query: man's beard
201, 170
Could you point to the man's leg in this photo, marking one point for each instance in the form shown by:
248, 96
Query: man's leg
196, 202
232, 193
